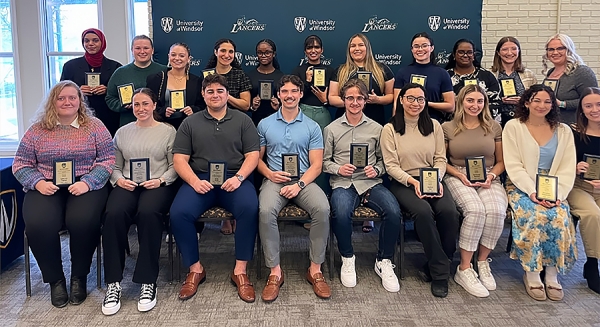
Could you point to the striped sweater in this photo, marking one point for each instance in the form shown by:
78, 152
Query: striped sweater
90, 146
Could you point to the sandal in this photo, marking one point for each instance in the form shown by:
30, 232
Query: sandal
227, 227
367, 226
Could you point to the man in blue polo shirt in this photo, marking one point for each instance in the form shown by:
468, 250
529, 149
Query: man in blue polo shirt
214, 152
291, 148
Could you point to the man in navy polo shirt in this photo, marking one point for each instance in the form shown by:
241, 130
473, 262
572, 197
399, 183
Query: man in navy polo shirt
291, 148
217, 138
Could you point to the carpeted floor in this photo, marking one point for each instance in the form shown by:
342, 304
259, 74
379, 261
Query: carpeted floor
368, 304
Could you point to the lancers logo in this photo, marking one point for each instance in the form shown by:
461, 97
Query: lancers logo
375, 24
434, 22
324, 61
300, 24
442, 58
167, 24
195, 62
8, 216
250, 25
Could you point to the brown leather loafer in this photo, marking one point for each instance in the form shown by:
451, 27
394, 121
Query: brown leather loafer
244, 287
271, 290
319, 284
190, 286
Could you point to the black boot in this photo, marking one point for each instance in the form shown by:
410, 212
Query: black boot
591, 274
78, 290
58, 293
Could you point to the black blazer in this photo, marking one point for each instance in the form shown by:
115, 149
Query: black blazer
193, 96
75, 70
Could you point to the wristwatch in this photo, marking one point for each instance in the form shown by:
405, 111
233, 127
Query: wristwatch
301, 184
162, 182
239, 177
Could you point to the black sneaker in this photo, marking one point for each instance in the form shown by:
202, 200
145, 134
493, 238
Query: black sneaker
58, 293
112, 299
439, 288
147, 297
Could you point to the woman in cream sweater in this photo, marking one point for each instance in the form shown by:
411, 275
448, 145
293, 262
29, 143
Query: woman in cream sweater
543, 234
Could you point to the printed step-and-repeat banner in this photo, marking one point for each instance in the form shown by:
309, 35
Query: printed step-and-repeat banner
389, 25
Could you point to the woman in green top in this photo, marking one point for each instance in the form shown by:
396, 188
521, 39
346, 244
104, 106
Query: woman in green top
134, 73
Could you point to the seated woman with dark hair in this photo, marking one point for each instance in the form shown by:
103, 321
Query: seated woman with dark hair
65, 132
143, 202
585, 196
410, 142
536, 143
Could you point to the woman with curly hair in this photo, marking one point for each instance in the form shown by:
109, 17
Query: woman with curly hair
64, 136
536, 143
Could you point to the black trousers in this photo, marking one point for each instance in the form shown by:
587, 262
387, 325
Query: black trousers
145, 208
44, 218
436, 224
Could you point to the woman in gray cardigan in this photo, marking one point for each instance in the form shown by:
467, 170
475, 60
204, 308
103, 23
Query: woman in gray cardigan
569, 76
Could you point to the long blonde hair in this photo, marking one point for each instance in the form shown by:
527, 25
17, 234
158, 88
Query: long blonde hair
349, 68
46, 114
573, 59
485, 118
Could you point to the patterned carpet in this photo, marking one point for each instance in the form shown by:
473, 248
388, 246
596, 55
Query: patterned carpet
368, 304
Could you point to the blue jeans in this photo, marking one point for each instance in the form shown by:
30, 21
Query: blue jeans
343, 203
189, 205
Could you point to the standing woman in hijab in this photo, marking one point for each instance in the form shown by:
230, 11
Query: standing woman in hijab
94, 61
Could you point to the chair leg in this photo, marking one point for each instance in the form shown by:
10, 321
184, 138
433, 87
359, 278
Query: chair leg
331, 253
170, 255
259, 254
402, 267
27, 266
99, 264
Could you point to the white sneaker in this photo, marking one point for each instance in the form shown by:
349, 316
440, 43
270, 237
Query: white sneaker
112, 299
385, 270
348, 272
468, 280
485, 274
147, 299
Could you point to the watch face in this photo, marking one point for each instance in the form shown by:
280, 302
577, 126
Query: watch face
301, 184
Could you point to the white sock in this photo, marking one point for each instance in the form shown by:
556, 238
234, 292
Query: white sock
533, 277
552, 276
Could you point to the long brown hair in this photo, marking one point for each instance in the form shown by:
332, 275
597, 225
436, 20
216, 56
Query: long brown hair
349, 68
497, 63
485, 118
582, 120
46, 114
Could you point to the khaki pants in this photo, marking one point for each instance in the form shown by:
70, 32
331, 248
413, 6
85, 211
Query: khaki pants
585, 203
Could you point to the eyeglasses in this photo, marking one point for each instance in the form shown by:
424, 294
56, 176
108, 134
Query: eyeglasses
411, 99
357, 99
422, 46
462, 53
559, 49
264, 54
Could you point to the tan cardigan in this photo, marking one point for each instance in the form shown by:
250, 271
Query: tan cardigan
522, 155
403, 155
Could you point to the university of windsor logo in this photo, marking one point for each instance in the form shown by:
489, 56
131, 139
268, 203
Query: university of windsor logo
8, 216
167, 24
239, 56
300, 24
434, 22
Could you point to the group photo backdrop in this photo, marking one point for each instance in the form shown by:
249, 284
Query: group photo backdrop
389, 25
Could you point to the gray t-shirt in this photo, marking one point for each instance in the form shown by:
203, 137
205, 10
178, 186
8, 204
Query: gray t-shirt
206, 139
